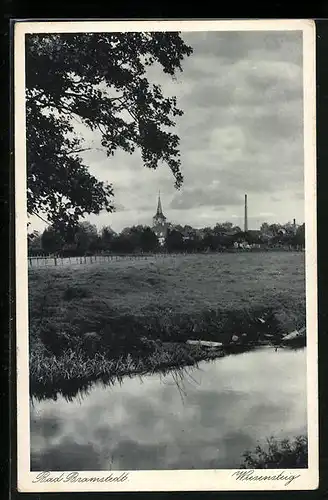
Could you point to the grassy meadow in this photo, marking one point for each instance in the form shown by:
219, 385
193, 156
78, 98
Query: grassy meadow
122, 317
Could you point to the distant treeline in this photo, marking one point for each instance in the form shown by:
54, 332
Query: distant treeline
87, 240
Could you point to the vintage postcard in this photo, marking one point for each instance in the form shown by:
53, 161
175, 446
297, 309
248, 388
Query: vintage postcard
165, 187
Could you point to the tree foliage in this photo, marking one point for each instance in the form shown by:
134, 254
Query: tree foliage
174, 241
107, 235
51, 240
143, 239
86, 237
100, 80
300, 235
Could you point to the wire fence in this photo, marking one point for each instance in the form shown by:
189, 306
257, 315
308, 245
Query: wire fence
57, 260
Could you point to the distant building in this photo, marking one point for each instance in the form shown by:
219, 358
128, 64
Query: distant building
160, 225
241, 244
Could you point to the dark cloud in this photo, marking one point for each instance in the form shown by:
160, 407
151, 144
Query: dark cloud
236, 45
261, 178
211, 196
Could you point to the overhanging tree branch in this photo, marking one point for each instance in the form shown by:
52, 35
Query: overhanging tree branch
69, 67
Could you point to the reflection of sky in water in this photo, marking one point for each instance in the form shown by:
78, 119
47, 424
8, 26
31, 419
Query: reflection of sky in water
218, 411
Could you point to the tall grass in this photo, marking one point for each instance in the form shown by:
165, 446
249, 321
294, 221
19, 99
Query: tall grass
74, 371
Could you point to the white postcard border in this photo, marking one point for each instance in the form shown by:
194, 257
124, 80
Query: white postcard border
182, 480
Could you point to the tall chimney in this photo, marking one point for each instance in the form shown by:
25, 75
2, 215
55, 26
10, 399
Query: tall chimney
245, 218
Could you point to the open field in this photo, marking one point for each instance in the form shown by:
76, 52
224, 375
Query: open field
120, 310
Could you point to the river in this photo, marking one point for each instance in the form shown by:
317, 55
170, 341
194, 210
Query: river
205, 417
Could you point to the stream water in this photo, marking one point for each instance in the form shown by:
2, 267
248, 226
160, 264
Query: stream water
201, 418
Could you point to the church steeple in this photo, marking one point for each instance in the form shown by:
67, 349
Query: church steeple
159, 206
159, 222
159, 217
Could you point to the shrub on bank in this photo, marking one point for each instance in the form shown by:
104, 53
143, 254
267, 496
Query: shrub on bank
283, 454
110, 332
117, 335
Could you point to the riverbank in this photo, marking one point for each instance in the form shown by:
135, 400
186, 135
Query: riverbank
106, 322
74, 371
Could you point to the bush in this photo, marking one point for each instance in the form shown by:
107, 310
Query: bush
283, 454
54, 340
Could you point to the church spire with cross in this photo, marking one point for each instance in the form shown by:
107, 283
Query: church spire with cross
159, 221
159, 218
159, 212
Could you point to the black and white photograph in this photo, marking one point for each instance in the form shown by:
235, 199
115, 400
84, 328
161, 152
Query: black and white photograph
166, 255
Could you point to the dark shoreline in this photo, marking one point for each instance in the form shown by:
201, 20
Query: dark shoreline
74, 372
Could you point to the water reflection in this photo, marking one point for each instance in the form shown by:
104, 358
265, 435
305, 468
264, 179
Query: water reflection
198, 418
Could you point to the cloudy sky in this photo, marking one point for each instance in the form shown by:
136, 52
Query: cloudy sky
241, 132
